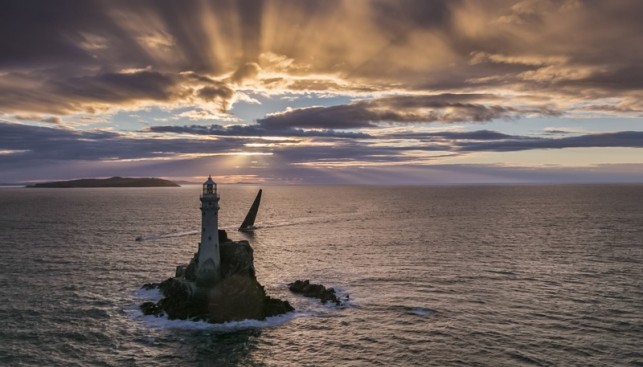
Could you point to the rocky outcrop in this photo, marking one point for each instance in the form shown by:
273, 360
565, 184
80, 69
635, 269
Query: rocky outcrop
108, 182
237, 296
308, 289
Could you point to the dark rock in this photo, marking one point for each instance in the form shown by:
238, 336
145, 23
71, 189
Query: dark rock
223, 236
237, 259
308, 289
180, 271
190, 270
151, 308
274, 307
172, 287
179, 302
237, 296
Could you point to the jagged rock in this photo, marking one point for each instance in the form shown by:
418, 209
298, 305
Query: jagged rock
237, 296
274, 307
237, 259
308, 289
234, 298
190, 270
223, 236
151, 308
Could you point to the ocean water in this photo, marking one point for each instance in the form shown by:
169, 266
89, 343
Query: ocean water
437, 276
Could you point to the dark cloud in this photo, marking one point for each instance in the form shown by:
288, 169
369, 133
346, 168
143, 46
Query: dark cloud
368, 148
93, 92
251, 12
61, 57
211, 93
255, 130
451, 144
32, 33
622, 139
422, 45
63, 144
444, 108
52, 147
245, 71
628, 78
454, 142
455, 135
52, 120
493, 141
448, 61
404, 15
334, 117
118, 87
39, 118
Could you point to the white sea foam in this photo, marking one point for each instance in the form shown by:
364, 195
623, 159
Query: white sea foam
312, 306
348, 301
420, 311
153, 295
164, 323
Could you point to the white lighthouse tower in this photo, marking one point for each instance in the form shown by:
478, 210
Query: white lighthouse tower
208, 269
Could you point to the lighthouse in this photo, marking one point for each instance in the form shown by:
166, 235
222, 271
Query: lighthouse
208, 270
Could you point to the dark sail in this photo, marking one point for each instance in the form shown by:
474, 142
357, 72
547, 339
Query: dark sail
248, 223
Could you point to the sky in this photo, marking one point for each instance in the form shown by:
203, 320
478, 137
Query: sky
323, 91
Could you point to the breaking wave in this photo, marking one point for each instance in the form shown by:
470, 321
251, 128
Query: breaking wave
163, 322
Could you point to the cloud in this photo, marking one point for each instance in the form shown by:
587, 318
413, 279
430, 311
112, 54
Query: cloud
403, 64
220, 94
627, 78
293, 153
52, 120
39, 118
200, 114
33, 33
46, 143
625, 139
245, 71
454, 135
113, 90
256, 131
393, 147
555, 50
118, 87
443, 108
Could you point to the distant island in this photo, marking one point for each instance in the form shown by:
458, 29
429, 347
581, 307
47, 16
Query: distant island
108, 182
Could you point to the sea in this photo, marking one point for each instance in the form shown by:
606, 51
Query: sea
435, 276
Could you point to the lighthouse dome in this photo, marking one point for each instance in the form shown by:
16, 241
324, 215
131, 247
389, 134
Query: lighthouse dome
209, 186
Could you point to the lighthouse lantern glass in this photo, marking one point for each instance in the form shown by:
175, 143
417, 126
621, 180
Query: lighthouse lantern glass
210, 187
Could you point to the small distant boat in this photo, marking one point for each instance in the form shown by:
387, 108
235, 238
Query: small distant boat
139, 239
248, 224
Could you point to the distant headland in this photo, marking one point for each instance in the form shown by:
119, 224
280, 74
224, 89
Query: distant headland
108, 182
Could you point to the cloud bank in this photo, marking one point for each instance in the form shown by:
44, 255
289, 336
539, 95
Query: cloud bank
375, 82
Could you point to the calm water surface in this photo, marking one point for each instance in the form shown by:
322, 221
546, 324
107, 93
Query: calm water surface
437, 276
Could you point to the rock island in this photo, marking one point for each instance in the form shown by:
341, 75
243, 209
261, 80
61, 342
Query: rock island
108, 182
219, 283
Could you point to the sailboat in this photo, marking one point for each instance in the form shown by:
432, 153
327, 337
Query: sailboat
248, 224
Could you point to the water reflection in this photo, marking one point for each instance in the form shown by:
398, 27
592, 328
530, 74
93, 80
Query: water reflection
209, 348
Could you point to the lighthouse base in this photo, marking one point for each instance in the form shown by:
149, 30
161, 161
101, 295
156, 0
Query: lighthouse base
237, 295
